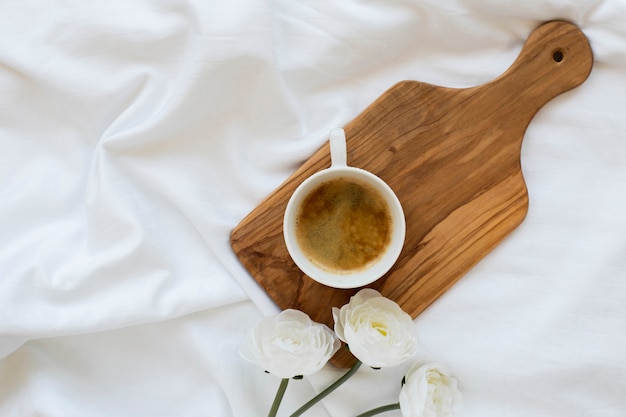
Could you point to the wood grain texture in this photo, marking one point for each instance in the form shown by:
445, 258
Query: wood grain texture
453, 158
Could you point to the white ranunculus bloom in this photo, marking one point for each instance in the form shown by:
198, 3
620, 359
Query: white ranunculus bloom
378, 332
290, 344
430, 390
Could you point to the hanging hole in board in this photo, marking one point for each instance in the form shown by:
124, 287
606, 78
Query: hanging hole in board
557, 56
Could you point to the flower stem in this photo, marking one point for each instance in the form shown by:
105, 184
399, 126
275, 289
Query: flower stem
379, 410
327, 390
279, 397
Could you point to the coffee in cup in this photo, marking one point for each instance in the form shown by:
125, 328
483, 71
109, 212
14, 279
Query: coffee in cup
343, 225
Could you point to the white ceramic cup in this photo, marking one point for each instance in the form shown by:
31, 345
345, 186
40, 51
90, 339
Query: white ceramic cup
339, 169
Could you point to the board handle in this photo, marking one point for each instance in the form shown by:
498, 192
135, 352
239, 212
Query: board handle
556, 58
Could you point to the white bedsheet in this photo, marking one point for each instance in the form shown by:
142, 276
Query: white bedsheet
135, 135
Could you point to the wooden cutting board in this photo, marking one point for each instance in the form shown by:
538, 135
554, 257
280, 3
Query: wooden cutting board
453, 158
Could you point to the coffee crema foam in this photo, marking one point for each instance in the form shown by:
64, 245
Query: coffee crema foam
343, 225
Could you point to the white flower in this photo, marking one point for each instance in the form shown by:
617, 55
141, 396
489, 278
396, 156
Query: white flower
430, 390
290, 344
376, 329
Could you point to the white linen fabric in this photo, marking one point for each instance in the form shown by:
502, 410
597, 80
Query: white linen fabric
134, 136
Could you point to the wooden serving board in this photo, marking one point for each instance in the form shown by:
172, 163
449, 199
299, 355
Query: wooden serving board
453, 158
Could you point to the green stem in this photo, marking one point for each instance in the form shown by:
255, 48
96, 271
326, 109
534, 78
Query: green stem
379, 410
327, 390
279, 397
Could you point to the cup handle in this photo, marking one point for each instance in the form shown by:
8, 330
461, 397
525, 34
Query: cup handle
338, 152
